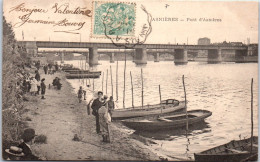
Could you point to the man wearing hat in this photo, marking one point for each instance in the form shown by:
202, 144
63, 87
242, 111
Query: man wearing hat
13, 153
96, 105
43, 87
27, 137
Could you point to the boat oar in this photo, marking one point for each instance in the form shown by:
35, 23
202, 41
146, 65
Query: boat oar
187, 123
252, 122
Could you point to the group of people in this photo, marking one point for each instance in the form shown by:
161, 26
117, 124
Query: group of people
50, 68
34, 84
38, 64
102, 110
56, 83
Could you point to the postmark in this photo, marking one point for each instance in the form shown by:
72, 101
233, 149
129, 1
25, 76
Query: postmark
113, 19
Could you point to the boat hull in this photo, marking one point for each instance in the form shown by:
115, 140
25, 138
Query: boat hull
148, 124
79, 76
82, 72
121, 114
233, 151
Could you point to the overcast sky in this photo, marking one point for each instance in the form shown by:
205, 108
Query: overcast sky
239, 21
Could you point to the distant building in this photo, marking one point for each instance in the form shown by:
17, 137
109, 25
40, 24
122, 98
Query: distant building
236, 43
204, 41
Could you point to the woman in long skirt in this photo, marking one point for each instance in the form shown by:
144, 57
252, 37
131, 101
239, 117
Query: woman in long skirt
33, 86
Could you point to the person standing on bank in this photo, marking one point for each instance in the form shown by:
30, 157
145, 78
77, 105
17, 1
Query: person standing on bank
80, 94
111, 105
96, 105
43, 88
104, 119
37, 75
33, 89
45, 68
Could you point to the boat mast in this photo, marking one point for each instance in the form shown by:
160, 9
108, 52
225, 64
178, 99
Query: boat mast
78, 71
103, 81
160, 98
112, 91
106, 81
124, 82
93, 81
185, 105
85, 70
142, 88
132, 88
117, 80
252, 122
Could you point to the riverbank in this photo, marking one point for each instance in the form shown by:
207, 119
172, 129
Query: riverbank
60, 117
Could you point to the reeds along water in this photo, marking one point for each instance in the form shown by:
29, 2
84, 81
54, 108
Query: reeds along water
223, 89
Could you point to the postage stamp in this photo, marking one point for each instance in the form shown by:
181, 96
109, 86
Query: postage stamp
113, 19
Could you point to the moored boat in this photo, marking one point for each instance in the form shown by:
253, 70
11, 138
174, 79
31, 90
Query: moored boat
234, 151
166, 106
82, 72
166, 122
80, 76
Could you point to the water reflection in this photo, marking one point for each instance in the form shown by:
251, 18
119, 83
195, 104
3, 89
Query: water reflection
223, 89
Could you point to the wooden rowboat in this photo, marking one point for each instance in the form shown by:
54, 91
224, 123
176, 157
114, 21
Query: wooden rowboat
166, 122
234, 151
166, 106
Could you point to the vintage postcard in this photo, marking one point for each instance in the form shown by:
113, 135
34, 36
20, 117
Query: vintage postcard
138, 80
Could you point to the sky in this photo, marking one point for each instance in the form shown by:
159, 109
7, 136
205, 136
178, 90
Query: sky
236, 21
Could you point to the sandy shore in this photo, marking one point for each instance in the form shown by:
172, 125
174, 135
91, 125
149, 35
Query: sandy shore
60, 117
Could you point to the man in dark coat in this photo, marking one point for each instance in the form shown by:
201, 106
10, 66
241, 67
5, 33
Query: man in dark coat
56, 67
27, 137
37, 75
45, 68
96, 105
43, 88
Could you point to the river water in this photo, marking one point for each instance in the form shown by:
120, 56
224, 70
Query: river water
223, 89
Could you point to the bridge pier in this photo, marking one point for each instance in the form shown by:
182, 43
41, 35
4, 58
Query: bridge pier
112, 57
157, 57
93, 56
181, 57
87, 57
140, 56
214, 56
240, 55
133, 56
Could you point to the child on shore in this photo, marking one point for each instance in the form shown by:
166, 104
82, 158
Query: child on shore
80, 94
